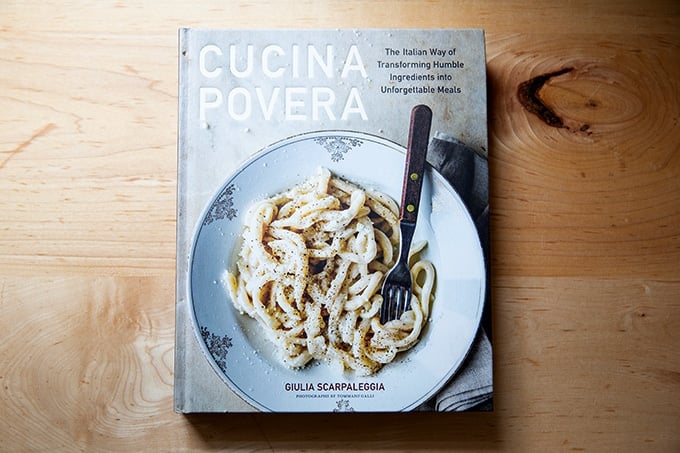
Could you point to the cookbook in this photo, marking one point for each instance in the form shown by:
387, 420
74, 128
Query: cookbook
292, 152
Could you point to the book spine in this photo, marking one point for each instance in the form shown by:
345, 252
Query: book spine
180, 392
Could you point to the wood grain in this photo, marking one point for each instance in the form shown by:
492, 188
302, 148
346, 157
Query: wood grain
585, 228
599, 195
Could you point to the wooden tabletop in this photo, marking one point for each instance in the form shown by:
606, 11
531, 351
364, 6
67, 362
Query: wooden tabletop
584, 156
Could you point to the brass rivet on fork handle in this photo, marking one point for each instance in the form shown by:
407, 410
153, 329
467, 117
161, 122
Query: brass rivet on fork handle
397, 287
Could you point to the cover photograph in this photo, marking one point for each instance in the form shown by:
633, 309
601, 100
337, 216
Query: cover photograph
332, 222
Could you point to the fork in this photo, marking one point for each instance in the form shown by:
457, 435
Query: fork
398, 286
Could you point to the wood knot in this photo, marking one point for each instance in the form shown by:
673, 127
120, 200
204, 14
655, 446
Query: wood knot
528, 93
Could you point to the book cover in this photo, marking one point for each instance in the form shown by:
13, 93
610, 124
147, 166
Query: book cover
291, 162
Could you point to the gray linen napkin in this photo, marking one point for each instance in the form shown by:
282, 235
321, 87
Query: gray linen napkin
473, 384
467, 172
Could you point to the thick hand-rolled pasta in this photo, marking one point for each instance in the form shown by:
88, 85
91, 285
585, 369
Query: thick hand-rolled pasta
310, 272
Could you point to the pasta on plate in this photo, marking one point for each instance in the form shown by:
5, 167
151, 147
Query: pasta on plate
310, 271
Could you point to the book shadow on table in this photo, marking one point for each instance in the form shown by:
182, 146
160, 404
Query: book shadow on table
363, 431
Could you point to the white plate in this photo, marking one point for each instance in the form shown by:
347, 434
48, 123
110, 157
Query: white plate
246, 361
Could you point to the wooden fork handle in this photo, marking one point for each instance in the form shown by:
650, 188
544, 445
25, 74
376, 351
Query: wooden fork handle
414, 171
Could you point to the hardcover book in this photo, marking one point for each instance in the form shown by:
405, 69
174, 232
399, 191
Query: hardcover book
295, 151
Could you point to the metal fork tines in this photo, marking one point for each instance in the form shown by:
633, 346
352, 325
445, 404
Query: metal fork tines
398, 283
397, 287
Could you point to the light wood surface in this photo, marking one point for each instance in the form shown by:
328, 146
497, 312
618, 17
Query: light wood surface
585, 228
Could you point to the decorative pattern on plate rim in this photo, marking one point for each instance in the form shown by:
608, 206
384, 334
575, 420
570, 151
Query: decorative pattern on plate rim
218, 347
223, 207
337, 146
343, 406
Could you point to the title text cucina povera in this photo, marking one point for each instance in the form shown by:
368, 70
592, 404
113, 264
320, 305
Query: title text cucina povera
241, 80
